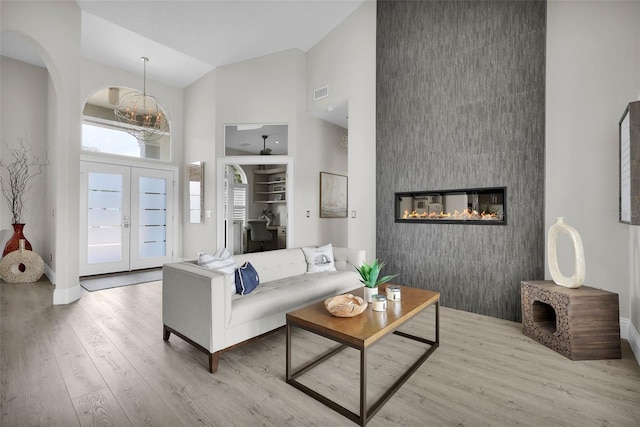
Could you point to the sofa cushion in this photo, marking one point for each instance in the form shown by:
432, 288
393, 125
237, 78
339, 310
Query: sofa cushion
290, 293
275, 265
319, 258
221, 262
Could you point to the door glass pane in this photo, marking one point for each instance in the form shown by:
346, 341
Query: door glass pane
152, 230
104, 234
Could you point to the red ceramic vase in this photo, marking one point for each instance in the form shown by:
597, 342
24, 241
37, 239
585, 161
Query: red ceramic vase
14, 243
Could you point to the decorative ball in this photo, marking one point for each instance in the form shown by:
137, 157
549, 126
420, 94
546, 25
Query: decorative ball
21, 266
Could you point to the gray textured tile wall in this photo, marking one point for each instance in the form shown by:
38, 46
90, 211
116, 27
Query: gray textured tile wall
460, 104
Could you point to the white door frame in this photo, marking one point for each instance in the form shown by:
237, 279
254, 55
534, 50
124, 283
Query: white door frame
136, 262
171, 222
122, 263
223, 162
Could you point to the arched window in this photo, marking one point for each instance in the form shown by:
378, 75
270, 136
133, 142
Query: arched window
103, 133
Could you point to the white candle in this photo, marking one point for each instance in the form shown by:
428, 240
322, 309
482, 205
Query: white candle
379, 302
393, 293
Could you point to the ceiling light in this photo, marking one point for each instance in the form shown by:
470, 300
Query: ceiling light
265, 150
142, 115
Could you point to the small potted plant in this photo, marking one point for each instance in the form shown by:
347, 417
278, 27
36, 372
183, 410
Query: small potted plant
370, 277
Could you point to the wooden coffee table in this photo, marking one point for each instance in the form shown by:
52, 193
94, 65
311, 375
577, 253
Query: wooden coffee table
361, 332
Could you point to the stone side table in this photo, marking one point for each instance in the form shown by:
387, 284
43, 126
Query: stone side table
581, 323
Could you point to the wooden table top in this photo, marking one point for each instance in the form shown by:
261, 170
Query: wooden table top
366, 328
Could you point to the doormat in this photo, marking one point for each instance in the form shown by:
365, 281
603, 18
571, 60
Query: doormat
117, 280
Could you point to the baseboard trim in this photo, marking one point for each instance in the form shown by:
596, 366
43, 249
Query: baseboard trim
66, 295
51, 275
630, 333
624, 328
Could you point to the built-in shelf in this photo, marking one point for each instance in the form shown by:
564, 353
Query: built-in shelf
272, 171
270, 185
270, 182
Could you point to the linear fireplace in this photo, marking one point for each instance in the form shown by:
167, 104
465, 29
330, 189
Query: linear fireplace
469, 206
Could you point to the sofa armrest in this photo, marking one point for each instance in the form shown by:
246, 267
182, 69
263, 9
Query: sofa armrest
193, 303
346, 259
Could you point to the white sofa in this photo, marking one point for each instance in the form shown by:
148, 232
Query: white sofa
198, 306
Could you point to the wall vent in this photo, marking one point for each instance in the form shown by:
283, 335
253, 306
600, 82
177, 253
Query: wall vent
320, 93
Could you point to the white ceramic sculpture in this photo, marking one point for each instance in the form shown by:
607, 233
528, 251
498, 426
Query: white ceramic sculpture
577, 279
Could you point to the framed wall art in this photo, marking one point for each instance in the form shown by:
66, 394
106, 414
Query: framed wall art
333, 195
629, 149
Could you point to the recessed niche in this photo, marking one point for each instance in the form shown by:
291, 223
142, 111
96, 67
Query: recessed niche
544, 316
467, 206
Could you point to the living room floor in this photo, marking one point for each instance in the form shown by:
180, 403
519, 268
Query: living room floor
102, 360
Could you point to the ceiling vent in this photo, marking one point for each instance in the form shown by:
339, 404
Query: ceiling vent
320, 93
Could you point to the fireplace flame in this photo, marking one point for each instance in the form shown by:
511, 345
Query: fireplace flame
464, 215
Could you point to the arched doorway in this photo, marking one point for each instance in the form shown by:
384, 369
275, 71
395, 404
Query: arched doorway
127, 219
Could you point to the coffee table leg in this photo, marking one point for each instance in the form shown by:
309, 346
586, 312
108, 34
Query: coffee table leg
363, 387
288, 357
438, 322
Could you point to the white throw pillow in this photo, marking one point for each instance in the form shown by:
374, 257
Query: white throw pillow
319, 258
221, 261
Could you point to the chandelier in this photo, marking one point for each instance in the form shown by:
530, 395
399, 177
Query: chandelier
142, 115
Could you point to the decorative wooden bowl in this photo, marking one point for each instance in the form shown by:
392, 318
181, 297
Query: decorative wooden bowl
347, 305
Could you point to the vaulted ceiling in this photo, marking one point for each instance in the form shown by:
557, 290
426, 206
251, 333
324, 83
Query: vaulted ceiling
185, 39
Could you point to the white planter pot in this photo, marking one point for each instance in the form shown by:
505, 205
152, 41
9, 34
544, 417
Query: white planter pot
368, 292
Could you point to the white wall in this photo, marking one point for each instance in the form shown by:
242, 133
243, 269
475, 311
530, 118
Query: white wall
97, 76
275, 89
259, 90
24, 110
265, 90
593, 71
40, 23
268, 89
199, 145
332, 158
634, 252
345, 60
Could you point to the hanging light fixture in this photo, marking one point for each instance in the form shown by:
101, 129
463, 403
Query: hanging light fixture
265, 151
142, 115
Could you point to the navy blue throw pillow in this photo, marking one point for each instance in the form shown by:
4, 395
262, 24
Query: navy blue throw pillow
246, 279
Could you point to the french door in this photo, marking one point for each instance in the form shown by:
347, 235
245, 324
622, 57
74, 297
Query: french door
126, 218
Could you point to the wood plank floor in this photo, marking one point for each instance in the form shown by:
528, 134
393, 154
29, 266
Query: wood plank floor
102, 361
